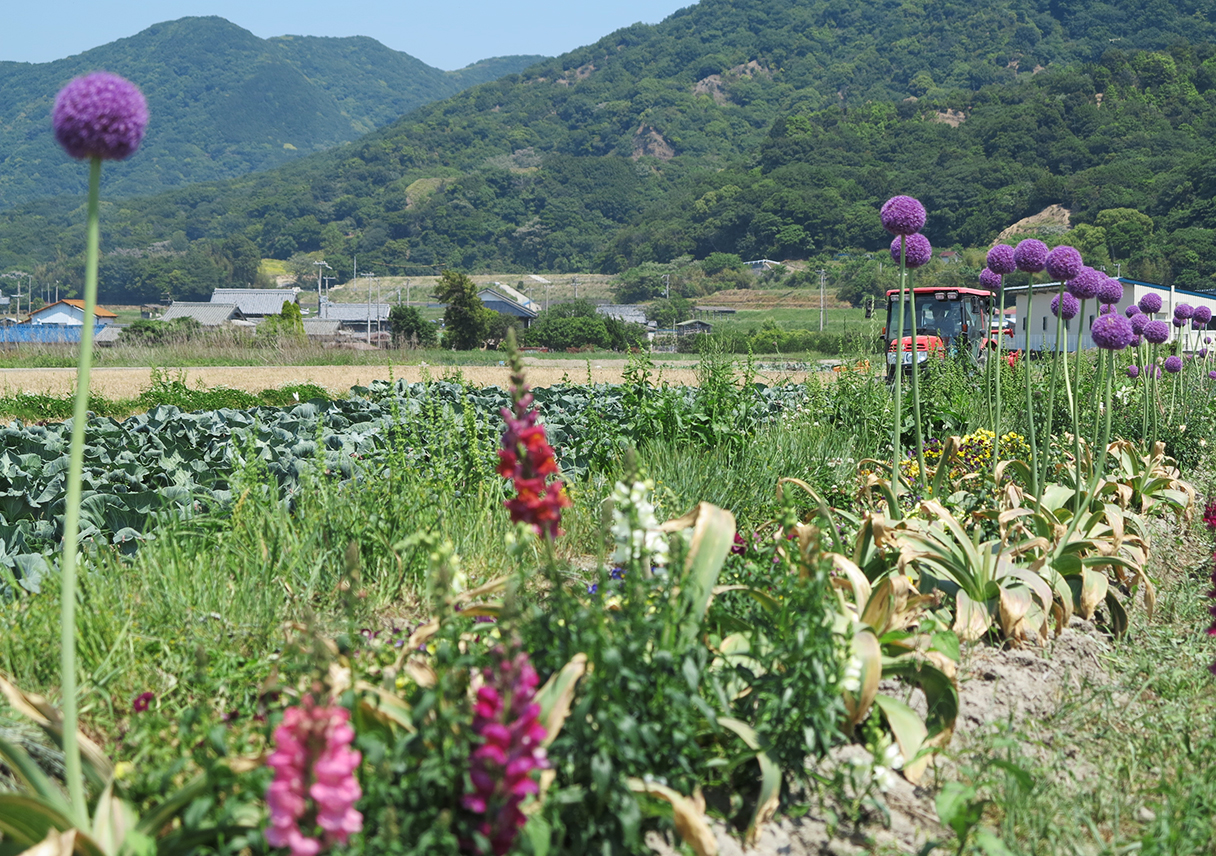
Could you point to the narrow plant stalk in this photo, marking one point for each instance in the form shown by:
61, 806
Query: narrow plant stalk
1076, 410
917, 437
899, 369
1034, 448
71, 516
1108, 386
1051, 389
996, 423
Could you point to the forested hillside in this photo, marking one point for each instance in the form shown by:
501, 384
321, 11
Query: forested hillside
757, 127
223, 103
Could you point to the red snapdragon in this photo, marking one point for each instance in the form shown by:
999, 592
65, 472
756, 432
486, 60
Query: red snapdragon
527, 460
500, 769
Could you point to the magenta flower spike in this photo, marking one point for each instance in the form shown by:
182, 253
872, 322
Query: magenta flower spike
100, 115
1064, 263
903, 215
917, 251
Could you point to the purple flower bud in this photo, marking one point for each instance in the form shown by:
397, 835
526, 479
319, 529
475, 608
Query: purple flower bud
1138, 323
903, 215
1173, 364
1001, 259
1066, 308
1203, 353
1085, 285
100, 115
1150, 303
990, 279
1156, 332
1212, 375
1154, 371
917, 250
1184, 311
1064, 263
1111, 332
1133, 371
1207, 340
1131, 310
1202, 314
1030, 255
1110, 291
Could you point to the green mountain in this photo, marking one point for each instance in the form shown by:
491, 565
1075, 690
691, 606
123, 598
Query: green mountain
757, 127
223, 103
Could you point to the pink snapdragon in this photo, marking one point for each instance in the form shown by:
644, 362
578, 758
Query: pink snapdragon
313, 759
508, 722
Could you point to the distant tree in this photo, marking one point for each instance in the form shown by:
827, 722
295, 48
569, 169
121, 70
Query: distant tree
410, 329
466, 320
288, 325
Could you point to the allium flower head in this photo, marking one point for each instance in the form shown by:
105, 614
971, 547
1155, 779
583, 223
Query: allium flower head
1201, 315
1067, 308
917, 250
1173, 364
903, 215
1150, 303
1156, 332
1106, 309
1132, 310
1085, 285
1064, 263
1030, 255
1212, 375
990, 279
100, 115
1136, 341
1110, 291
1111, 332
313, 759
1184, 311
1178, 322
1001, 259
1133, 371
1138, 323
507, 719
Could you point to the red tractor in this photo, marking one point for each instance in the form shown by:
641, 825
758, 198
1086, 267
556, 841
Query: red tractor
947, 321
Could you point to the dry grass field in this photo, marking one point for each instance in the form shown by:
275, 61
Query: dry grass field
118, 383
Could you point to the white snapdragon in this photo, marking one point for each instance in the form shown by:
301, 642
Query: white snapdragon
635, 529
850, 681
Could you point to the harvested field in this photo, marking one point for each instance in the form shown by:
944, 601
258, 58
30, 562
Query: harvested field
118, 383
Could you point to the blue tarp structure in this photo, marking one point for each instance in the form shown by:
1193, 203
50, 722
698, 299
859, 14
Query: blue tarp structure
42, 334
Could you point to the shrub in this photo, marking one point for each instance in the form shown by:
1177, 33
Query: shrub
410, 329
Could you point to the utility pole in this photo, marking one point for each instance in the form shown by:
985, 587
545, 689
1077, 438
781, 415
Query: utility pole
407, 292
1118, 269
667, 286
368, 277
320, 265
576, 288
823, 275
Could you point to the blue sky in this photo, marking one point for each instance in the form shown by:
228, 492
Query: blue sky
444, 33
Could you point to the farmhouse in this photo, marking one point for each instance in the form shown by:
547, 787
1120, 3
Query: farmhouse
69, 313
206, 314
256, 303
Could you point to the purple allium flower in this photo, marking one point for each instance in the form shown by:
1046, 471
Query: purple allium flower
1085, 285
1066, 308
917, 250
1030, 255
1203, 353
1131, 310
1212, 375
1150, 303
1207, 340
1064, 263
1136, 341
506, 718
903, 215
1001, 259
1178, 322
1133, 371
1202, 314
1196, 325
1139, 322
1112, 332
1106, 309
100, 115
142, 702
1173, 364
1184, 311
1110, 291
990, 279
1156, 332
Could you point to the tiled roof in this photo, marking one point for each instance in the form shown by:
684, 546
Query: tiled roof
255, 301
321, 327
207, 314
349, 312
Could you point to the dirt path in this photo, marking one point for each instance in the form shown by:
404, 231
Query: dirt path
129, 382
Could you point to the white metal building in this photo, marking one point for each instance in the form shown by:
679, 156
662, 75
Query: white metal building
1040, 325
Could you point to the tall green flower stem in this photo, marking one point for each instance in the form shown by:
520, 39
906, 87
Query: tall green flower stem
917, 436
71, 516
899, 369
1076, 410
1000, 338
1051, 388
1086, 492
1034, 448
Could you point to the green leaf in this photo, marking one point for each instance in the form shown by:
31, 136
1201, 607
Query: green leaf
31, 775
958, 808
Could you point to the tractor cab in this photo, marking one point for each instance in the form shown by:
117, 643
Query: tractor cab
945, 321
